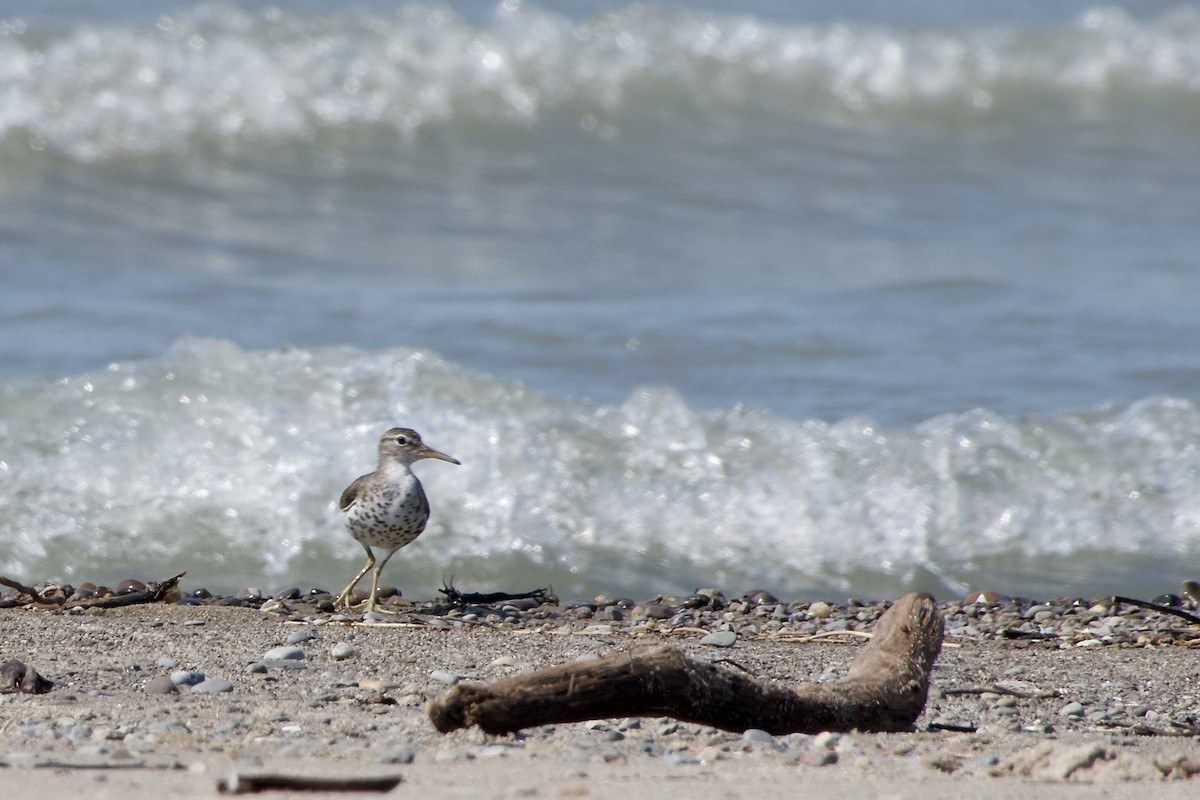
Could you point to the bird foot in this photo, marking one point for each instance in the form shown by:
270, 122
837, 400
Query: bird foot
362, 606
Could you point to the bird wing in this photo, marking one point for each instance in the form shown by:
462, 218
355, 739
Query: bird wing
351, 493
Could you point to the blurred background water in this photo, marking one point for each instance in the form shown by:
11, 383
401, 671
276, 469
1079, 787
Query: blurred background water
808, 297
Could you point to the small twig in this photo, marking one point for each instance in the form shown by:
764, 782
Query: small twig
1142, 729
951, 727
55, 763
997, 689
733, 663
270, 781
818, 635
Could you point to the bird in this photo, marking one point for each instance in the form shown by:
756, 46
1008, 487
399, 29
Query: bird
387, 509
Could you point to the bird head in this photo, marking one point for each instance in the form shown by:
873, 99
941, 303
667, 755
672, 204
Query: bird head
405, 445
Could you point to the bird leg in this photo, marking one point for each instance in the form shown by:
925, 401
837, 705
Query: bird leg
343, 600
375, 583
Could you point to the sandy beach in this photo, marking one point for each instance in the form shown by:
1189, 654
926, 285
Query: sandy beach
1027, 700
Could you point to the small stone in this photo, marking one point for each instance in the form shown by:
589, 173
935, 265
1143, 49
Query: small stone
680, 758
213, 686
825, 740
443, 676
161, 684
820, 610
1072, 709
795, 740
404, 755
299, 637
343, 650
760, 739
494, 751
503, 661
186, 677
1191, 591
284, 653
720, 639
656, 611
819, 758
985, 597
166, 662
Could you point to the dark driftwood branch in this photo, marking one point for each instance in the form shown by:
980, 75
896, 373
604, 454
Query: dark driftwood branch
34, 595
155, 591
885, 689
1176, 612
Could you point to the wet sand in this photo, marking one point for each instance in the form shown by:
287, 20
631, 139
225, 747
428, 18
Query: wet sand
1027, 700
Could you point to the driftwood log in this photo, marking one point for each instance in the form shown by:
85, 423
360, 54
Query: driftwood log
885, 690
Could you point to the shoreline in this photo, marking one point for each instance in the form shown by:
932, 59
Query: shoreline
1044, 697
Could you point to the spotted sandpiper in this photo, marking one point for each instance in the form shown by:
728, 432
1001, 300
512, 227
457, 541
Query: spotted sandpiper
387, 509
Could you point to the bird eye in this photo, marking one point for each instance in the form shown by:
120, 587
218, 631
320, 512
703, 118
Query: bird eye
401, 440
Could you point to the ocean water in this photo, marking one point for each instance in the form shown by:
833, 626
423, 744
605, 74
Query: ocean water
817, 299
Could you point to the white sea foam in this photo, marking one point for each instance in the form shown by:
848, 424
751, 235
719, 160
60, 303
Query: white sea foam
218, 74
227, 463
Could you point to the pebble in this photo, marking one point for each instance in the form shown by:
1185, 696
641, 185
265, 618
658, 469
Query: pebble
720, 639
213, 686
404, 755
820, 610
1072, 709
818, 758
299, 637
681, 758
161, 684
760, 739
343, 650
186, 677
443, 676
130, 585
495, 751
166, 662
825, 740
284, 653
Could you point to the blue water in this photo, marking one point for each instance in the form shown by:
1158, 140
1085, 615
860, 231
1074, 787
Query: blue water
817, 299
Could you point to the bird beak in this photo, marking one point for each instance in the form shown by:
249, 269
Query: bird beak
429, 452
